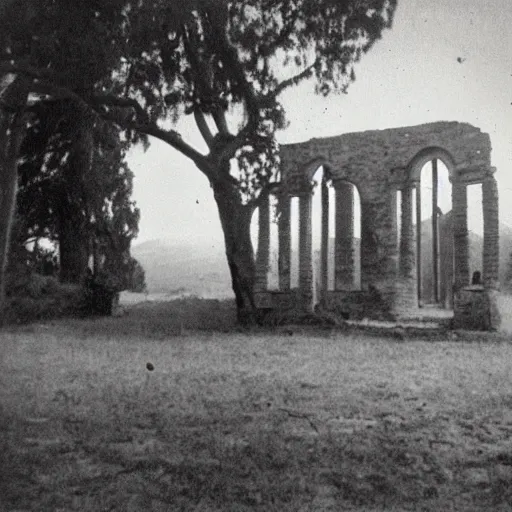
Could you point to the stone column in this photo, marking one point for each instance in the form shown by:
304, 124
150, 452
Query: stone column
407, 239
491, 251
284, 243
392, 245
305, 251
344, 268
419, 273
325, 240
460, 235
262, 259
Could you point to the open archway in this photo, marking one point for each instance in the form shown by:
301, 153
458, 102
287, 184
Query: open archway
432, 171
434, 235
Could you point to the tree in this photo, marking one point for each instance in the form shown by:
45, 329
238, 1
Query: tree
219, 59
48, 47
78, 204
209, 59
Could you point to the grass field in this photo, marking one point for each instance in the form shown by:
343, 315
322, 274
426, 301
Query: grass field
293, 420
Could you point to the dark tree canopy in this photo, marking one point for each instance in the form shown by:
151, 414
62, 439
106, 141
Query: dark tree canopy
93, 201
213, 58
144, 64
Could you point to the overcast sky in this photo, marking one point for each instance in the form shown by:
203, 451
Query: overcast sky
411, 76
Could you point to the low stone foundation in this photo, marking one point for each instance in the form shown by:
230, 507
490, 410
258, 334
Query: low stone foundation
357, 305
386, 258
475, 308
354, 305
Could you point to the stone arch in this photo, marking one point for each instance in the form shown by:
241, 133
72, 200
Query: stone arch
309, 169
416, 164
433, 240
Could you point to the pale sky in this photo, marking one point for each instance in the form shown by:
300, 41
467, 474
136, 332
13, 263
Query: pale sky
410, 77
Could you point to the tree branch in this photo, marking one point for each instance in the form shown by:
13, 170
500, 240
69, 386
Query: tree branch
171, 137
200, 71
122, 102
30, 71
294, 80
203, 126
57, 92
233, 64
219, 116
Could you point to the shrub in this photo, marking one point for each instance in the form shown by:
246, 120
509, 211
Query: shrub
40, 297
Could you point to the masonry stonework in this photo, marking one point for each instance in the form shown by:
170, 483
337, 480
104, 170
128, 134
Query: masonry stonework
491, 253
263, 254
284, 243
344, 271
305, 252
460, 235
379, 163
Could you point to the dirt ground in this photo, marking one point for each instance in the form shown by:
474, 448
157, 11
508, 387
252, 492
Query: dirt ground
292, 420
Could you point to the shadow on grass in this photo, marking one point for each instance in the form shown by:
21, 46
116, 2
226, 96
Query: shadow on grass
162, 319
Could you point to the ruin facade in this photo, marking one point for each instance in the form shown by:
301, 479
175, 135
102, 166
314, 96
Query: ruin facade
382, 165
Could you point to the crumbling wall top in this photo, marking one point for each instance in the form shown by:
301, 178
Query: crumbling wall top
465, 149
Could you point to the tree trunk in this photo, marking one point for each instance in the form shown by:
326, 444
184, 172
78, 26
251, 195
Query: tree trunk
13, 98
74, 222
73, 250
235, 219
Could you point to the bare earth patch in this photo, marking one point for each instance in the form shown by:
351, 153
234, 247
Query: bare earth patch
309, 421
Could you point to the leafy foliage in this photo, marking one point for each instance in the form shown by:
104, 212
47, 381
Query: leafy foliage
212, 57
98, 196
146, 64
78, 44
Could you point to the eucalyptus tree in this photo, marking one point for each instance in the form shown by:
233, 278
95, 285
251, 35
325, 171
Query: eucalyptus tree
85, 209
49, 48
227, 63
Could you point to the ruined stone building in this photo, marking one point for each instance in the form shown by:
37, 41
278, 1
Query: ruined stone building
384, 167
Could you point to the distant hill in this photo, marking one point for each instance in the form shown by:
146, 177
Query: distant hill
179, 269
193, 269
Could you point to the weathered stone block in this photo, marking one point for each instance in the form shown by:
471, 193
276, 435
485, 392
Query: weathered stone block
359, 304
475, 308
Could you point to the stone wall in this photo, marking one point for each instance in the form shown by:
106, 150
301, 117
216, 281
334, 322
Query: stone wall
360, 304
367, 158
476, 308
379, 163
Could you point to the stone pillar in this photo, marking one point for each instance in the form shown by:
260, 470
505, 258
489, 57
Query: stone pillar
344, 268
305, 251
393, 220
262, 259
325, 240
419, 273
491, 251
460, 235
284, 243
407, 239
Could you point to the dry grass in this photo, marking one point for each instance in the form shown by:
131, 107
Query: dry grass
248, 421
